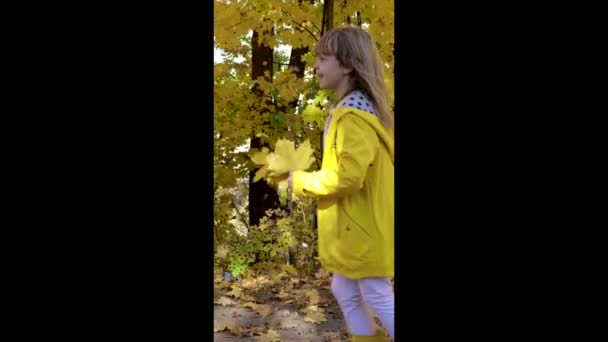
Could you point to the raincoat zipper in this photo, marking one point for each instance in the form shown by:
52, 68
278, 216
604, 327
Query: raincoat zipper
358, 225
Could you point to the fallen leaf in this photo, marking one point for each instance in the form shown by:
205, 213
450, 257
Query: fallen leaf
218, 325
270, 336
263, 310
223, 301
279, 275
321, 274
313, 308
248, 283
313, 296
250, 305
315, 317
247, 297
284, 313
230, 326
290, 269
221, 252
261, 280
236, 292
234, 329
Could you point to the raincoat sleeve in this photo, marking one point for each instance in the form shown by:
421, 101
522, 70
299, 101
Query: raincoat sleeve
357, 143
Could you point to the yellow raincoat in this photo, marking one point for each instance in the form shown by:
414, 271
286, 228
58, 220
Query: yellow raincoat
355, 190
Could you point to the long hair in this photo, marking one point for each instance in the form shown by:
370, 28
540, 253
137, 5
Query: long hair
354, 48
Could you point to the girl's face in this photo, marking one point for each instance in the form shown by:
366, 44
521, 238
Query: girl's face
330, 73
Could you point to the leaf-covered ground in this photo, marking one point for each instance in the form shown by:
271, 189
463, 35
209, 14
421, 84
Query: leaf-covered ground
277, 305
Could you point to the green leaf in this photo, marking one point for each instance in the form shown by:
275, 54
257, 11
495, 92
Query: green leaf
275, 92
276, 120
312, 114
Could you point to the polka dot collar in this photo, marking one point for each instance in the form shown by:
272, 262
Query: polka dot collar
360, 100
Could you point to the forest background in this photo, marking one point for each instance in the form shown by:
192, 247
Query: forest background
265, 90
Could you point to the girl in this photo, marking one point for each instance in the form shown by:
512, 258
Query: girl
355, 184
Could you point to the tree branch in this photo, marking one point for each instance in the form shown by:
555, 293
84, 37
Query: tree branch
302, 26
242, 21
317, 158
313, 24
239, 213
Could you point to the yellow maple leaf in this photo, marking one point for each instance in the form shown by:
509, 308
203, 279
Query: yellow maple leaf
286, 157
261, 173
250, 305
236, 292
313, 296
263, 310
223, 301
315, 317
290, 269
221, 251
313, 308
259, 157
234, 329
279, 276
231, 326
269, 336
246, 297
218, 325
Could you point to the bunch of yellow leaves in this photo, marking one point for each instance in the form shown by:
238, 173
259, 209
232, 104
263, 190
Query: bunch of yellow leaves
285, 158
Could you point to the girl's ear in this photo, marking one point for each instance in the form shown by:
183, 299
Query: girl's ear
347, 71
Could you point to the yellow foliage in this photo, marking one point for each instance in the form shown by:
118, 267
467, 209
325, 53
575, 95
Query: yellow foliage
286, 157
240, 114
228, 25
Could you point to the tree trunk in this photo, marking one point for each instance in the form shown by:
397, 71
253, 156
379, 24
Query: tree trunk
328, 16
261, 196
296, 65
328, 24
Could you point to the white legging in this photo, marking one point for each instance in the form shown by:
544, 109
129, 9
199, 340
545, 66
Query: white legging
377, 293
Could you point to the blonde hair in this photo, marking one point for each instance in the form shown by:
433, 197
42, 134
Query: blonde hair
354, 48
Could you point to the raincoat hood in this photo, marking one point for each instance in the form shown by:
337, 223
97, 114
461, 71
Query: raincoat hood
384, 134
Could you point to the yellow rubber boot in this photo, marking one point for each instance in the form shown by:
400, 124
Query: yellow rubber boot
376, 338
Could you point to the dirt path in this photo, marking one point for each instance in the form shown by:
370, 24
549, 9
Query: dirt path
277, 306
287, 320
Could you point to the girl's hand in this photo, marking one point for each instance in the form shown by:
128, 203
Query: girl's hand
274, 178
